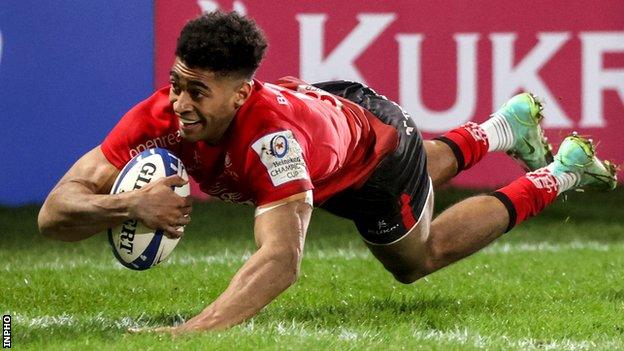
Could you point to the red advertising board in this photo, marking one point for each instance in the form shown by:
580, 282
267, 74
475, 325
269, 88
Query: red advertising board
446, 62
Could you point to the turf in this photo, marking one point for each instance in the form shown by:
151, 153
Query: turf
555, 282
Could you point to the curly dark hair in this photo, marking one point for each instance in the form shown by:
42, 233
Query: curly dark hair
227, 44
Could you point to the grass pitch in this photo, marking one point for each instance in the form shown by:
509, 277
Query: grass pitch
555, 282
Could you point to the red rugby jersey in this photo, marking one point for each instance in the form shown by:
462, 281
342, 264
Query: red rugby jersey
285, 139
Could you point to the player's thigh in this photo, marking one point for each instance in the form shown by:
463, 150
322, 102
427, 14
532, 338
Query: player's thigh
407, 258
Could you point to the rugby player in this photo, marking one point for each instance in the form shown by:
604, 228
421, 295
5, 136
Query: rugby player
290, 146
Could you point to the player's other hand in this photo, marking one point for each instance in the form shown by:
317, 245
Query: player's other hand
159, 207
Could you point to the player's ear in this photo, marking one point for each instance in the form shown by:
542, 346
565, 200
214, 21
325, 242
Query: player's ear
243, 92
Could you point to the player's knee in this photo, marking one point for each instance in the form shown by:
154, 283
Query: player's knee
409, 272
407, 277
437, 256
427, 264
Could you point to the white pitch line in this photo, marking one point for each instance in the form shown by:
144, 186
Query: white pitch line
332, 254
300, 330
67, 320
466, 337
551, 247
456, 336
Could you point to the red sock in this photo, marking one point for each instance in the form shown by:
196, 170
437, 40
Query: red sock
469, 144
528, 195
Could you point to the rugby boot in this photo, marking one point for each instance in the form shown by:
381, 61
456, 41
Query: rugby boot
531, 149
578, 155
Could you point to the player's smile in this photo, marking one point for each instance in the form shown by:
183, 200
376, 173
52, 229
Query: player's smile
192, 124
188, 127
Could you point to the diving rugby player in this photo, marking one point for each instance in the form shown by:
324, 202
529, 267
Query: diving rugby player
289, 146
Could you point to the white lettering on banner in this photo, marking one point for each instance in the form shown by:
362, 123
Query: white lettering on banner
282, 156
510, 74
507, 79
410, 83
596, 79
211, 5
340, 63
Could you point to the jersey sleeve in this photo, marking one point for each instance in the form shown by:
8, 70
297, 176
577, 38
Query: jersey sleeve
147, 125
276, 166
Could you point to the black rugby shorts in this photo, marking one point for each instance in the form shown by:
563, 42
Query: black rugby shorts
392, 199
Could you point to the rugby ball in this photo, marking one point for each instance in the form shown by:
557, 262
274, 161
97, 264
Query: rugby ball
135, 245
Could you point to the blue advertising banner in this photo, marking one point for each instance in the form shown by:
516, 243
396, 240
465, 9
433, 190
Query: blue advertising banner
68, 72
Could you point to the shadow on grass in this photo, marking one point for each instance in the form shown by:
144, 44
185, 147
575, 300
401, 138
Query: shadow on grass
431, 312
101, 327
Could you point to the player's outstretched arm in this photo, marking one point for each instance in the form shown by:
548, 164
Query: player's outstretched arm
280, 235
80, 204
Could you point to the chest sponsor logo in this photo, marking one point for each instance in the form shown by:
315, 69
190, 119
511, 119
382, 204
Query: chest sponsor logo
164, 142
282, 156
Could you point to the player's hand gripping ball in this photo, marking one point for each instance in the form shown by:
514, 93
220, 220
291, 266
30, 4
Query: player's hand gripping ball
135, 245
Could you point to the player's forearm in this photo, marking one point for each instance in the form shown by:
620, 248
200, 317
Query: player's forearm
263, 277
73, 212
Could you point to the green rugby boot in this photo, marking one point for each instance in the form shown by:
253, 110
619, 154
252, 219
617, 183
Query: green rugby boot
523, 113
578, 155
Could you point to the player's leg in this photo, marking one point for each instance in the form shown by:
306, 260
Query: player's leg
475, 222
514, 129
441, 162
454, 234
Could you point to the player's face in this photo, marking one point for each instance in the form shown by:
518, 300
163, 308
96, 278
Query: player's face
204, 102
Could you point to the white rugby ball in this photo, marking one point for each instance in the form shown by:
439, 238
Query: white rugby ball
135, 245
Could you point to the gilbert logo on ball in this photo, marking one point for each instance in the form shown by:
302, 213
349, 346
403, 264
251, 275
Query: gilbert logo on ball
135, 245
